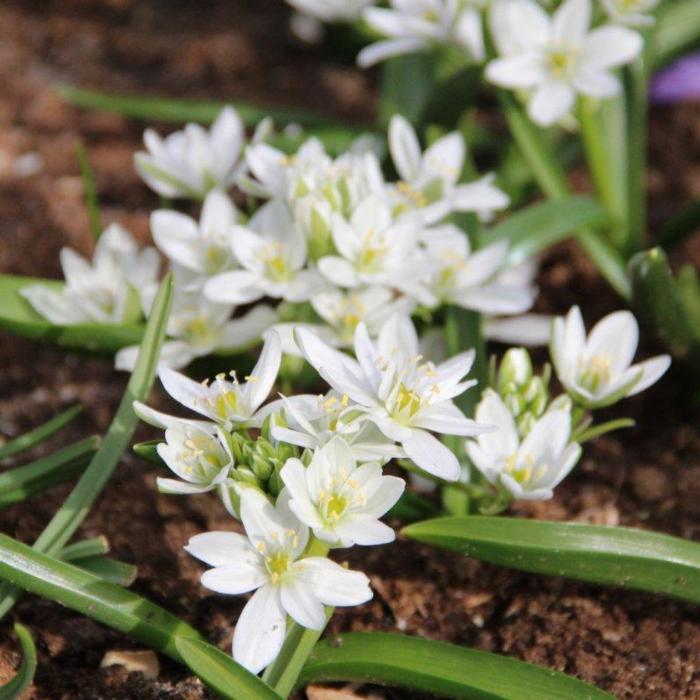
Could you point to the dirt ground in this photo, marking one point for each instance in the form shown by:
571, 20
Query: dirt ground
638, 646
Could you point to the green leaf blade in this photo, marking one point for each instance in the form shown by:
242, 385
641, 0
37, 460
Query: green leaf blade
39, 434
618, 556
443, 669
14, 688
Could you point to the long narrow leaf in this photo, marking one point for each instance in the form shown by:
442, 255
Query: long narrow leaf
540, 225
58, 468
618, 556
69, 517
92, 203
441, 669
129, 613
24, 677
39, 434
677, 29
108, 569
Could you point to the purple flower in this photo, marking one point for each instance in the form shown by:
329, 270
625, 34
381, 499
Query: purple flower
680, 82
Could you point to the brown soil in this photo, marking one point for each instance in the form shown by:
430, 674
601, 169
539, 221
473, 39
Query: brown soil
637, 646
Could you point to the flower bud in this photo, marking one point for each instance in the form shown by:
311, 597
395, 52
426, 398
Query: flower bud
516, 368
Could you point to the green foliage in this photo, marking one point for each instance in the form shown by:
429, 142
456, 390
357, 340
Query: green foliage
13, 689
618, 556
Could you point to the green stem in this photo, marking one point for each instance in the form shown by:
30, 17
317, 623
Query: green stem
91, 201
598, 430
552, 181
73, 511
604, 130
283, 672
637, 112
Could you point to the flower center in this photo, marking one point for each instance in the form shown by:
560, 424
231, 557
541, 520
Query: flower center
416, 197
561, 62
521, 473
596, 373
277, 565
202, 456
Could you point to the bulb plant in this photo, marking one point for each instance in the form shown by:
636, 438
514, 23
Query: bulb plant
366, 275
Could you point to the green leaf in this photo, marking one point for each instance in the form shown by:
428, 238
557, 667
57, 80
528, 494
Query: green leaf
149, 451
688, 285
407, 83
220, 672
39, 434
94, 547
336, 135
91, 202
531, 230
655, 296
58, 468
13, 689
108, 569
18, 317
438, 668
619, 556
680, 226
129, 613
73, 511
677, 30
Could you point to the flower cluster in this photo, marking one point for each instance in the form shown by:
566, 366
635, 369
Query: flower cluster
330, 241
305, 474
548, 59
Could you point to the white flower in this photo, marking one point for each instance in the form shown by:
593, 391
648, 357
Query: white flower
200, 455
420, 25
403, 395
374, 250
473, 280
272, 252
204, 248
314, 421
105, 290
198, 327
191, 162
556, 58
229, 402
331, 10
530, 469
630, 12
429, 181
340, 500
268, 561
597, 370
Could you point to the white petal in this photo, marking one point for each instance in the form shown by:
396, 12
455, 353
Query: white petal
597, 83
181, 488
333, 584
552, 101
220, 548
446, 418
237, 287
364, 530
300, 602
176, 235
431, 455
260, 630
571, 22
652, 371
405, 149
502, 443
524, 70
381, 50
615, 337
609, 47
264, 374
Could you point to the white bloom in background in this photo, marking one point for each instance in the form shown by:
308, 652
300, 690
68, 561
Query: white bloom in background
556, 58
268, 562
191, 162
203, 248
104, 290
373, 249
198, 327
331, 10
597, 370
229, 402
634, 13
314, 421
473, 280
528, 470
404, 396
272, 252
200, 455
429, 181
340, 500
421, 25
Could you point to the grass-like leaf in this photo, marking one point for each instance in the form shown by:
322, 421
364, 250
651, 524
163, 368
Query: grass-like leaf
531, 230
91, 201
619, 556
57, 468
442, 669
39, 434
129, 613
72, 513
677, 29
13, 689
